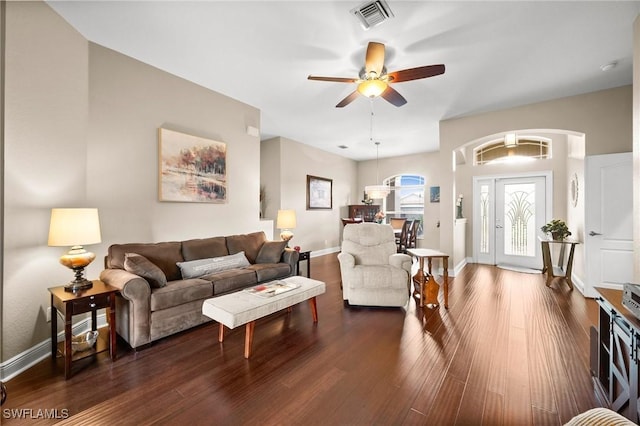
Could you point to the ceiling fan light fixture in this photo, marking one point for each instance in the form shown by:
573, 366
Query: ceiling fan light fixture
372, 88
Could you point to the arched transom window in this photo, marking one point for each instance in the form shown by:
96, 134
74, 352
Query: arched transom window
511, 149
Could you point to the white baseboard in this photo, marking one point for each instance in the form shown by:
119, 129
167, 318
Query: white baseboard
27, 359
316, 253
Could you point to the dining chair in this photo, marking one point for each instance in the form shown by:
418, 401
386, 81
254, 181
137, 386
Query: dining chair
401, 240
397, 222
413, 233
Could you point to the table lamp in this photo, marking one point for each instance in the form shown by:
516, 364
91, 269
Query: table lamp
75, 228
286, 222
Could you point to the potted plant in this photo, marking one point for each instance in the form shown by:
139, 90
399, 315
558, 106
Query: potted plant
557, 228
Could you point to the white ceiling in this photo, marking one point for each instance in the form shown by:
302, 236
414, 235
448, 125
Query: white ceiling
497, 55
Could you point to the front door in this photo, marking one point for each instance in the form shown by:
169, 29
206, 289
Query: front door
508, 218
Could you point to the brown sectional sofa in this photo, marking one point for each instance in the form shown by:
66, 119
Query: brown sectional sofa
155, 300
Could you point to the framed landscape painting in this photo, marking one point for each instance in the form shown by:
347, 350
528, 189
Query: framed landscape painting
192, 169
319, 193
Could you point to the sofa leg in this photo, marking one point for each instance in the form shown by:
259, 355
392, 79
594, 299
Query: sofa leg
346, 303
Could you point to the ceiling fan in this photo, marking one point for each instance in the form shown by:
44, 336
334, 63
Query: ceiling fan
374, 79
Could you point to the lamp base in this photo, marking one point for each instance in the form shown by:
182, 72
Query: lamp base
286, 235
76, 259
80, 283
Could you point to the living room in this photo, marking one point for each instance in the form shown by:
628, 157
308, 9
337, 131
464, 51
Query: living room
80, 128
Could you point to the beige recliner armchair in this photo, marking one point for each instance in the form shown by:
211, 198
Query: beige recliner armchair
373, 273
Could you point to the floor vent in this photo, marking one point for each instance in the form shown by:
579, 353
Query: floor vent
372, 13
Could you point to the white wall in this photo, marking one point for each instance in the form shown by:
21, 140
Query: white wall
636, 148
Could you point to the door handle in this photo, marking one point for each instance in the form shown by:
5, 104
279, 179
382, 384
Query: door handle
499, 226
591, 233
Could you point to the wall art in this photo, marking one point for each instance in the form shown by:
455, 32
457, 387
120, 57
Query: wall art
192, 169
319, 193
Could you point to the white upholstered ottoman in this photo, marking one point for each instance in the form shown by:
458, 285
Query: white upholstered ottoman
244, 308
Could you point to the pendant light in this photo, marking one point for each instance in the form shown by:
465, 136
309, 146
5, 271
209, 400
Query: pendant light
376, 192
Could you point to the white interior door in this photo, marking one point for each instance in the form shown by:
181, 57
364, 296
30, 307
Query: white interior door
507, 219
608, 221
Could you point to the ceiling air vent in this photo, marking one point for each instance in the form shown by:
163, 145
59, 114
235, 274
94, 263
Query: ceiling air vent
372, 13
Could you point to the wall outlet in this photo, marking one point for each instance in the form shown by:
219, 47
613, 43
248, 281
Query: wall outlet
49, 314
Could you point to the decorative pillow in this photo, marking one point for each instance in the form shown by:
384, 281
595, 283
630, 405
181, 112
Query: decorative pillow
271, 252
140, 265
200, 267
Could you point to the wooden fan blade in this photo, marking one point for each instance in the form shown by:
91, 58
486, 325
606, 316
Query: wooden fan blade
415, 73
346, 101
375, 58
334, 79
390, 94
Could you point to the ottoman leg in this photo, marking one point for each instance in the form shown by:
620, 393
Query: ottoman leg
248, 338
221, 333
314, 309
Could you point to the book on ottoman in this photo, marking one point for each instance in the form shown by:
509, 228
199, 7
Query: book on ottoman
272, 288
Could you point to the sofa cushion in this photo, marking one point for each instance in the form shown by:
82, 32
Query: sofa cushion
270, 271
204, 248
200, 267
179, 292
271, 252
163, 255
250, 244
231, 280
140, 265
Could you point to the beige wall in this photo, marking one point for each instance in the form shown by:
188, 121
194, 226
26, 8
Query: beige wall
46, 109
604, 118
270, 166
316, 229
81, 130
426, 164
129, 102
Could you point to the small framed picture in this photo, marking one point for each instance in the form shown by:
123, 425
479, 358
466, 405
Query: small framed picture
319, 193
434, 194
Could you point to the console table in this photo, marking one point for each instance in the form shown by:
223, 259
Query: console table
561, 269
366, 212
614, 354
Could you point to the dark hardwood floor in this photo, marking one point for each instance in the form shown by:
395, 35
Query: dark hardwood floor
508, 351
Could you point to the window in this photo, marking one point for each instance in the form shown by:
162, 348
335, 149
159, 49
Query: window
406, 198
522, 148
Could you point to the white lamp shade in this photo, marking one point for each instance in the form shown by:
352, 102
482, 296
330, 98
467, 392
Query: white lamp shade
286, 219
74, 227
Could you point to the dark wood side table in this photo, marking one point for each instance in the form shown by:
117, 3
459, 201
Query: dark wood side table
99, 296
304, 255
